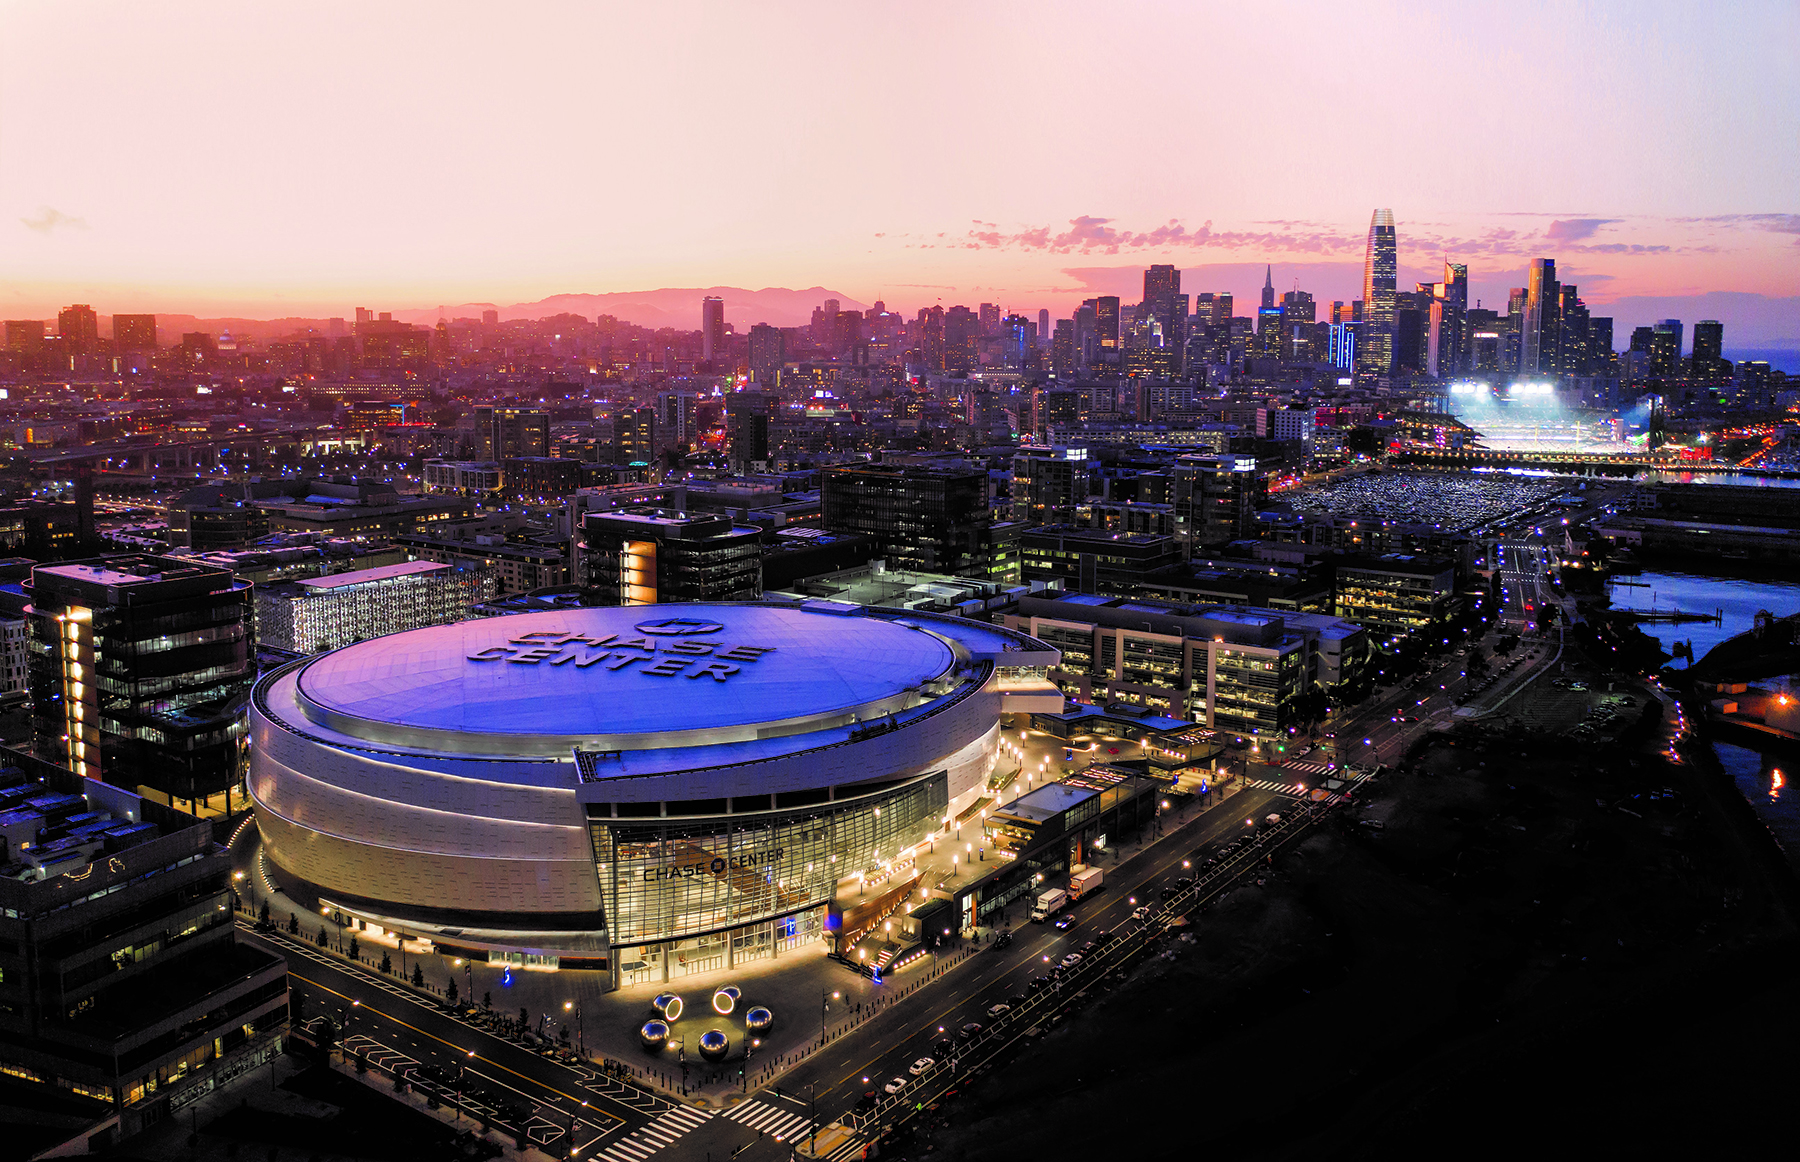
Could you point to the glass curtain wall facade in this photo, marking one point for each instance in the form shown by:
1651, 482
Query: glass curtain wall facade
688, 880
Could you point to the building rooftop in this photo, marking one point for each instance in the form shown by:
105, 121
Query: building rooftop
370, 576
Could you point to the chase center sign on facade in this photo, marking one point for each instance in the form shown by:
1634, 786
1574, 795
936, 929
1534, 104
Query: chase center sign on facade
630, 787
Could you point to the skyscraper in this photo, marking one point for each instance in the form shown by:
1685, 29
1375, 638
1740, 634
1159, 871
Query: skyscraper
79, 328
990, 319
1708, 362
1665, 349
1043, 325
1106, 321
712, 328
1268, 298
768, 352
134, 332
1539, 332
1381, 268
1448, 338
1167, 307
962, 327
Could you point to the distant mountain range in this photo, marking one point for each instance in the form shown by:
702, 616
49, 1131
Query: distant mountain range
677, 307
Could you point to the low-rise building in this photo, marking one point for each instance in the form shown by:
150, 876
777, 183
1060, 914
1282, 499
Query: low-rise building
1394, 595
637, 556
1231, 667
323, 613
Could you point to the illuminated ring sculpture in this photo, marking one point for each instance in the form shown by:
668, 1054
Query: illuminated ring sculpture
758, 1019
725, 1000
654, 1034
713, 1044
668, 1006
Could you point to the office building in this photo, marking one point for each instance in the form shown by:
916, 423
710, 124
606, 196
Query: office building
1106, 323
768, 351
124, 989
1707, 362
79, 328
1094, 560
962, 329
1048, 483
712, 328
505, 432
747, 428
640, 556
323, 613
1230, 667
1393, 595
139, 670
676, 430
1539, 335
134, 332
925, 518
634, 435
1665, 349
1381, 268
1217, 498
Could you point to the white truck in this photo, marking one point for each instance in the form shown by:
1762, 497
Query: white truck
1048, 905
1084, 879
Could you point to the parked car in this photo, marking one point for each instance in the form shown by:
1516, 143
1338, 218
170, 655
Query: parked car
894, 1086
999, 1010
970, 1031
920, 1066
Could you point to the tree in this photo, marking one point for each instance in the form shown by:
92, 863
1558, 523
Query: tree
418, 977
324, 937
487, 1000
294, 923
450, 990
387, 965
262, 916
355, 949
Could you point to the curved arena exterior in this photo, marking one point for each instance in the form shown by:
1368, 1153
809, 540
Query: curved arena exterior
627, 784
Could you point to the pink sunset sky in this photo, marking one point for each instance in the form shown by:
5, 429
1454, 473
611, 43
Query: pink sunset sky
276, 159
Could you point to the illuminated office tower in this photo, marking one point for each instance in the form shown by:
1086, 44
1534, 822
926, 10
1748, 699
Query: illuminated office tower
1106, 321
1062, 349
1381, 265
712, 328
134, 332
1540, 332
962, 329
1043, 325
79, 328
1665, 349
139, 669
990, 319
675, 426
1298, 314
1447, 342
768, 351
1708, 362
1165, 305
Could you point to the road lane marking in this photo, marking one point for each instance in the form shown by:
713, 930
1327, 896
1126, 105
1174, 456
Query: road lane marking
459, 1049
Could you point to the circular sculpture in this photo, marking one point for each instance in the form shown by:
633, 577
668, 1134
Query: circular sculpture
654, 1034
726, 999
668, 1005
758, 1019
713, 1044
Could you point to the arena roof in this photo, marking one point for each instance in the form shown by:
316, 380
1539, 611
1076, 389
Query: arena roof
624, 671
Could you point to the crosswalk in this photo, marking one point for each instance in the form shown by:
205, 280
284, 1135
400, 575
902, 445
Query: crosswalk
1302, 767
780, 1124
648, 1139
1271, 785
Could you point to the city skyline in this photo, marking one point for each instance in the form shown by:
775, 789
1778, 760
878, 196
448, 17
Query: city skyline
266, 184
